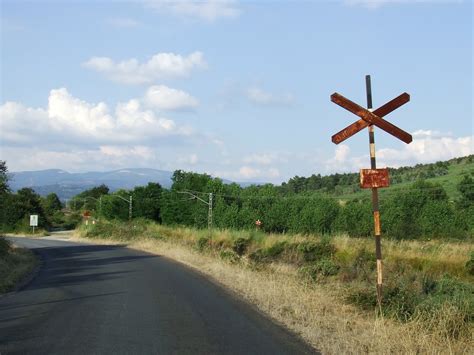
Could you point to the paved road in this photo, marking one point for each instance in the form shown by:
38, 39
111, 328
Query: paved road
96, 299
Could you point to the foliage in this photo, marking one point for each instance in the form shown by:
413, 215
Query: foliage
466, 188
240, 245
320, 269
5, 246
51, 204
4, 178
314, 251
470, 264
202, 243
14, 266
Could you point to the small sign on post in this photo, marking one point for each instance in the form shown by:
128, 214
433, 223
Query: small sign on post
33, 221
374, 178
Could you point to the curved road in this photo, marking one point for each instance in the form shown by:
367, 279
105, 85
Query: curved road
102, 299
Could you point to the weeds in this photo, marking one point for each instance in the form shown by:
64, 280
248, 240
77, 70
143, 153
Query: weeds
429, 287
470, 264
5, 246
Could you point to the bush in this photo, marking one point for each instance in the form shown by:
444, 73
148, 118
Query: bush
449, 307
268, 254
470, 264
240, 245
5, 246
445, 305
320, 269
313, 251
356, 219
202, 243
361, 267
229, 255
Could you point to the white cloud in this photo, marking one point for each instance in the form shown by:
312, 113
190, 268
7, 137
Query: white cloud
69, 119
78, 159
261, 97
168, 99
341, 153
123, 22
208, 10
341, 161
158, 67
266, 158
191, 159
427, 147
375, 4
248, 173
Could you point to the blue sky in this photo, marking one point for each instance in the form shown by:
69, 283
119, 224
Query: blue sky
239, 90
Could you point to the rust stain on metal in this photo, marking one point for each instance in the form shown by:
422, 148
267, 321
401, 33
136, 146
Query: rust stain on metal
369, 118
374, 178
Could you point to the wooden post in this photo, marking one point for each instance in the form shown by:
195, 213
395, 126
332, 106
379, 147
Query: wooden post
375, 197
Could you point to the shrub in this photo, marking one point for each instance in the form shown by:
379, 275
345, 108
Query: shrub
470, 264
268, 254
320, 269
202, 243
316, 251
361, 267
449, 307
240, 245
229, 255
4, 246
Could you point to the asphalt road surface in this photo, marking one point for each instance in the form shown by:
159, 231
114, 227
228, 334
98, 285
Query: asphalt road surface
97, 299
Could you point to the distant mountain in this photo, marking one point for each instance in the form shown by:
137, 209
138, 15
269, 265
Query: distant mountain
67, 185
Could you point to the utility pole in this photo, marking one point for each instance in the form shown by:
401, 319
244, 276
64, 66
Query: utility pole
209, 214
209, 203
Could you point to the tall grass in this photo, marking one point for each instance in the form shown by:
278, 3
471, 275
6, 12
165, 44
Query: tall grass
15, 264
324, 287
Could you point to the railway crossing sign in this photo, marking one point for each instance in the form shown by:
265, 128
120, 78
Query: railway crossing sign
372, 178
367, 117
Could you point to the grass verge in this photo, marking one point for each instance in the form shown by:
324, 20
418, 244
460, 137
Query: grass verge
15, 265
323, 289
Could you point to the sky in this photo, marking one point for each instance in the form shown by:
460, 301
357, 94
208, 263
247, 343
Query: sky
236, 89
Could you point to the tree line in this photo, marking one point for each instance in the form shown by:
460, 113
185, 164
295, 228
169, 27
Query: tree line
422, 210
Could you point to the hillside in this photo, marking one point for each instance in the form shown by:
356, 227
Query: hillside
346, 186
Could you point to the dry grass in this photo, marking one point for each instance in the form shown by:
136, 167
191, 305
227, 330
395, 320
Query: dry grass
14, 267
315, 311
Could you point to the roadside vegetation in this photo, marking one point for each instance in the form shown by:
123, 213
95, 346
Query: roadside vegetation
16, 208
15, 264
323, 287
311, 263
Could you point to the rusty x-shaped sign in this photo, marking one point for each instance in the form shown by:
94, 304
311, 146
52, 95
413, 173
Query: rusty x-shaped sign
370, 118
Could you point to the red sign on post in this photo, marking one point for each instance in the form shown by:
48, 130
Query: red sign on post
374, 178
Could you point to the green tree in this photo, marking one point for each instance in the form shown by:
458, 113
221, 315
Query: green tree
466, 188
51, 204
4, 188
147, 201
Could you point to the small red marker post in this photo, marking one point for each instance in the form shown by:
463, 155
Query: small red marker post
372, 178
